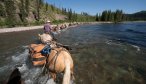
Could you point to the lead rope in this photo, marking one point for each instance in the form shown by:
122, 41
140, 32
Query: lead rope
44, 69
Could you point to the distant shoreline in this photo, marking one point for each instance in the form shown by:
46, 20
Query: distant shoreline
133, 21
17, 29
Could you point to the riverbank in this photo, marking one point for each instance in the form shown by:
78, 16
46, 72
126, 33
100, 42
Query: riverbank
17, 29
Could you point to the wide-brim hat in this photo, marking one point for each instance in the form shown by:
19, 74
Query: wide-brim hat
48, 21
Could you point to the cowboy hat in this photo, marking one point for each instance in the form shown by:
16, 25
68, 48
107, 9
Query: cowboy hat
48, 21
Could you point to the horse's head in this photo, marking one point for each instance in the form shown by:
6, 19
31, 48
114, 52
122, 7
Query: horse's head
15, 77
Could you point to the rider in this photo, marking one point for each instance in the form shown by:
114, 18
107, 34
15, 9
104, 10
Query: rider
48, 29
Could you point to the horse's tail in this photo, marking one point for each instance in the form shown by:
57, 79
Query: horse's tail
66, 78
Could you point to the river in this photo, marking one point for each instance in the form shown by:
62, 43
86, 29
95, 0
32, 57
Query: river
102, 53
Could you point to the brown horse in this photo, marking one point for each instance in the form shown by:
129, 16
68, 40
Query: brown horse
15, 77
60, 61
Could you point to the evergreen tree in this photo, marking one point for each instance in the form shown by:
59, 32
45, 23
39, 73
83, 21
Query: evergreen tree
46, 6
39, 4
104, 16
97, 17
65, 11
74, 16
27, 4
2, 11
10, 13
112, 16
70, 14
22, 13
109, 15
53, 8
118, 15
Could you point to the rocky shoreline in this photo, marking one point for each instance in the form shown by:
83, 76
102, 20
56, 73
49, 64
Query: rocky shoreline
17, 29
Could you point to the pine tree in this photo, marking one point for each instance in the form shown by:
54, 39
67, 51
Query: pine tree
97, 17
39, 4
27, 4
2, 11
52, 8
22, 13
104, 16
109, 17
46, 6
112, 16
10, 13
70, 14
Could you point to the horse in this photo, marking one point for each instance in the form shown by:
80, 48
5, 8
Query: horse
60, 61
45, 38
15, 77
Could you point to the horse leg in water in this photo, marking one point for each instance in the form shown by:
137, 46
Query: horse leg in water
15, 77
72, 74
53, 75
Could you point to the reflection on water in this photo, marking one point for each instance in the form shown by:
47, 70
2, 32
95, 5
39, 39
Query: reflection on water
102, 54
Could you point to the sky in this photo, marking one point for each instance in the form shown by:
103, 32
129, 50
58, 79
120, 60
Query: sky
97, 6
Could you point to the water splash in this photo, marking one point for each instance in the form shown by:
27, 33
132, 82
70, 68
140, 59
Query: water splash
137, 47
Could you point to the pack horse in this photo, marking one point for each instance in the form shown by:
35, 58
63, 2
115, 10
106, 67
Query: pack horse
56, 59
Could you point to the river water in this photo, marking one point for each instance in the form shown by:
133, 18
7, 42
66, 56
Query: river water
102, 54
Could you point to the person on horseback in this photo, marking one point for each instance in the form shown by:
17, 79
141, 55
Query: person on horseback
48, 29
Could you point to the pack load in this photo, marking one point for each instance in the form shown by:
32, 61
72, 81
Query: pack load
38, 53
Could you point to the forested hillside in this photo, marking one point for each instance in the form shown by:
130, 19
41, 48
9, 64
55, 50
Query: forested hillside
26, 12
137, 16
34, 12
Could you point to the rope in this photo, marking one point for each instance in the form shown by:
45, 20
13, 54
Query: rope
54, 58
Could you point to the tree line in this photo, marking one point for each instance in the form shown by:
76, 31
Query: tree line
107, 15
112, 16
72, 16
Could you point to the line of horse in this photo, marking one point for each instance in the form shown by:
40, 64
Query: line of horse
58, 60
57, 28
